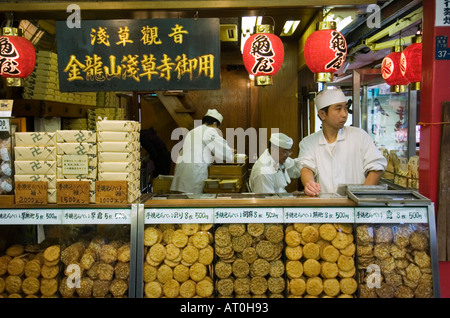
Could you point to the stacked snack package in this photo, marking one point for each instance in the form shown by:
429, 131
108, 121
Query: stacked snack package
35, 159
77, 146
43, 83
119, 154
6, 181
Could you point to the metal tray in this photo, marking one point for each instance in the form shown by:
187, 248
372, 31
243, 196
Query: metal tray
388, 197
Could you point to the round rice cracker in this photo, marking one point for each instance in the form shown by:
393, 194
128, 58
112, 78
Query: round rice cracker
265, 249
331, 287
297, 286
314, 286
153, 289
172, 252
157, 252
274, 233
294, 269
149, 273
258, 285
329, 270
200, 239
348, 286
260, 268
293, 238
255, 229
206, 255
237, 229
249, 254
327, 232
190, 228
345, 263
240, 268
190, 254
188, 289
340, 241
311, 250
344, 227
181, 273
197, 272
164, 273
222, 236
52, 253
223, 270
311, 268
329, 253
310, 234
294, 253
179, 238
171, 288
152, 236
205, 288
240, 243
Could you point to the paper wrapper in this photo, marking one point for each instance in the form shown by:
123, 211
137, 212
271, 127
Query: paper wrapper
117, 136
51, 195
76, 136
118, 176
116, 146
50, 178
74, 148
108, 166
91, 182
35, 153
27, 167
35, 139
117, 125
117, 156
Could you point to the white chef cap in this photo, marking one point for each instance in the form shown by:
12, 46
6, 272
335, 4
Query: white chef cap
329, 97
281, 140
215, 114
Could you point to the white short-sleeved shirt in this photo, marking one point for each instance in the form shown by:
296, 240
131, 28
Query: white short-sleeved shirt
354, 156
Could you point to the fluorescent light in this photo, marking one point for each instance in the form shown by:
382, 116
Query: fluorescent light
289, 27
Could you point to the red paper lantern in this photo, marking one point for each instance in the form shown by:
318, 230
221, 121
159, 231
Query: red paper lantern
263, 55
411, 63
391, 70
325, 52
17, 55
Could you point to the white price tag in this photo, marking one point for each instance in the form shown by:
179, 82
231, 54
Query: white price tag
391, 215
33, 216
4, 124
319, 215
178, 215
96, 216
248, 215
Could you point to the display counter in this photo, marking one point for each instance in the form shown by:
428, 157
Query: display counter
222, 245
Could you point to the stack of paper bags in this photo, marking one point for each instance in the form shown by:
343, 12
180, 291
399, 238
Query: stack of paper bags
76, 150
35, 159
119, 154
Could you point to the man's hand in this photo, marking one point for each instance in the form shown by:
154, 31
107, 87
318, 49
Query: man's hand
312, 188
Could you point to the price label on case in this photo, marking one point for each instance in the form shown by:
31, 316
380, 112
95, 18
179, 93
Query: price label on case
4, 124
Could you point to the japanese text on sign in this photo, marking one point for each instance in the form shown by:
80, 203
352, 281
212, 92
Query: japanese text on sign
34, 216
103, 216
386, 215
318, 215
127, 54
248, 215
157, 216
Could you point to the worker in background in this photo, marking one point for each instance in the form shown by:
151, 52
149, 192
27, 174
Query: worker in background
337, 154
273, 170
202, 146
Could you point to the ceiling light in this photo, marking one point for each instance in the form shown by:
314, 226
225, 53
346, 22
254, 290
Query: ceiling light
289, 27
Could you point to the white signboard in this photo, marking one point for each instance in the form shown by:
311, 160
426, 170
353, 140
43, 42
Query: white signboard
391, 215
32, 216
442, 13
178, 215
319, 215
248, 215
96, 216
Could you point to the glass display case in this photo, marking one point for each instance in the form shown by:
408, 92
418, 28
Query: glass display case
67, 253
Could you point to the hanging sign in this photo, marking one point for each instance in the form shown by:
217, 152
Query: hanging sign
133, 55
442, 51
